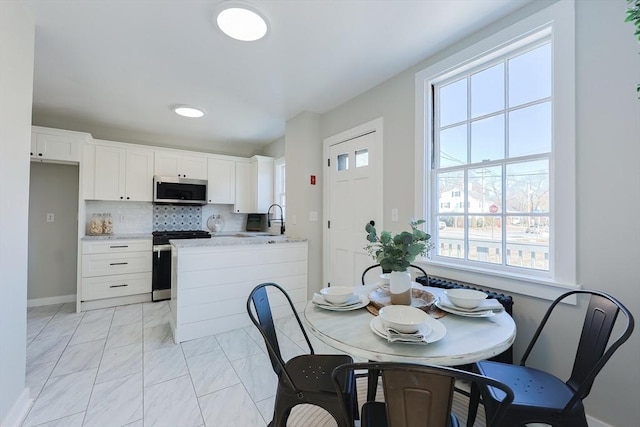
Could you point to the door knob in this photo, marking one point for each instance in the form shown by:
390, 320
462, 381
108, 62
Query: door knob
373, 223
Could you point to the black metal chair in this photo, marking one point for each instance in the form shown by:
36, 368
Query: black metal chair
417, 395
542, 397
371, 267
305, 378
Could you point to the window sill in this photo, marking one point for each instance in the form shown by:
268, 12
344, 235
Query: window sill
510, 283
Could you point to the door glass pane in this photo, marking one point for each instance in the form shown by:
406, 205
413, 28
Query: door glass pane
485, 191
362, 158
487, 91
453, 103
487, 139
530, 130
530, 76
342, 162
453, 146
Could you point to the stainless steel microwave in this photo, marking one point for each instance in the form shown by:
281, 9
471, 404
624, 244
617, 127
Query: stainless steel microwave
170, 189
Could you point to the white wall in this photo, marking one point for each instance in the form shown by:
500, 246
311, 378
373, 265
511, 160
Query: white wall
303, 148
608, 182
17, 37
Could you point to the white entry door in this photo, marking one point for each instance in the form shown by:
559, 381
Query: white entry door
353, 198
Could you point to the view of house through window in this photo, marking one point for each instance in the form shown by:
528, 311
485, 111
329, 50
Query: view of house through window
492, 136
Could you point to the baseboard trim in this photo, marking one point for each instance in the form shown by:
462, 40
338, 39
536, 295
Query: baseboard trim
591, 422
594, 422
112, 302
51, 300
18, 411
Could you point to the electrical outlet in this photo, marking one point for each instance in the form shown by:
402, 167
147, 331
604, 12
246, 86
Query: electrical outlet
313, 216
394, 214
50, 217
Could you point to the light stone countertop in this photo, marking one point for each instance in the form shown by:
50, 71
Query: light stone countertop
235, 239
133, 236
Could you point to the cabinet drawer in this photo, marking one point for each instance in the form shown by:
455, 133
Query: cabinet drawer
115, 286
116, 246
107, 264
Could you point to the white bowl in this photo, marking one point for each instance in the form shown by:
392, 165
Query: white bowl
337, 294
402, 318
465, 298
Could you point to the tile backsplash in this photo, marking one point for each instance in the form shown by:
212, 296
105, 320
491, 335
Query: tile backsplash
177, 218
145, 217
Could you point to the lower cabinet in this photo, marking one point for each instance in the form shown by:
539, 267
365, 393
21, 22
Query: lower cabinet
210, 284
115, 268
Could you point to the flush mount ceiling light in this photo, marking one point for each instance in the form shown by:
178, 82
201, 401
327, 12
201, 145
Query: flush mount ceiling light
241, 21
187, 111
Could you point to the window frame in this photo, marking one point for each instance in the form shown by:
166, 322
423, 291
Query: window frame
557, 22
279, 183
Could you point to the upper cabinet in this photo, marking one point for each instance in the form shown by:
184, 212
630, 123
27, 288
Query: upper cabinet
123, 173
168, 163
254, 185
222, 181
48, 144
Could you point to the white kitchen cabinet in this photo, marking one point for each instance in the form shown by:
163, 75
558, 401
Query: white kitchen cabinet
222, 181
123, 173
168, 163
244, 197
48, 144
115, 268
254, 185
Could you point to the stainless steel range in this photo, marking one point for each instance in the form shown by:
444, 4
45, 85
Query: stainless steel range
161, 279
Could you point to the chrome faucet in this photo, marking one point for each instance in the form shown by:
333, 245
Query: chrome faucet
281, 217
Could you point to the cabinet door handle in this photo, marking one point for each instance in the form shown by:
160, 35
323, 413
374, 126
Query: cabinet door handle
119, 286
119, 263
118, 246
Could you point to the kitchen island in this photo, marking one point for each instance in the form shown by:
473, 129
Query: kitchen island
212, 278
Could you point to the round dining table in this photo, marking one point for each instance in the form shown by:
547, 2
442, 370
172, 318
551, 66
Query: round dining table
466, 339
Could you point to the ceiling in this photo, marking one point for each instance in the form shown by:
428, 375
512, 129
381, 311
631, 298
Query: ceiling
114, 67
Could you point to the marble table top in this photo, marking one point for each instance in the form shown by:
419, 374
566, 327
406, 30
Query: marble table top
467, 340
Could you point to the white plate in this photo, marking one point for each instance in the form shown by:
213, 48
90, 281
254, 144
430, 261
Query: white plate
438, 330
487, 313
363, 303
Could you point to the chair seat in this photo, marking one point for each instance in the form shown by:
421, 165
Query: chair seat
531, 387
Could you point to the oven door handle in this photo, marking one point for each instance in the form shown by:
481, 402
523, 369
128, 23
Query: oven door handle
161, 248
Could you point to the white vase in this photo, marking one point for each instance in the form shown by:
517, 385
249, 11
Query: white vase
400, 287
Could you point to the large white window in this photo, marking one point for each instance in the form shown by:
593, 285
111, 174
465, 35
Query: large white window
496, 158
279, 190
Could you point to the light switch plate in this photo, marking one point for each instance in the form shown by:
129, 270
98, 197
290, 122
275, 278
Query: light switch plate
394, 214
313, 216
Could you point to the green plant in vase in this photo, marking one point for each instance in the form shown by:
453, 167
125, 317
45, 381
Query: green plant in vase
398, 252
395, 254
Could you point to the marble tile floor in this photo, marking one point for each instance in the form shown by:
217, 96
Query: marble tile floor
119, 367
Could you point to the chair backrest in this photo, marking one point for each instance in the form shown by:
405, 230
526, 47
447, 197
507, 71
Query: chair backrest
259, 299
420, 395
594, 349
418, 271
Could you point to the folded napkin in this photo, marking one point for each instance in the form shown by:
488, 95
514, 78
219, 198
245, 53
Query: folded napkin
489, 304
320, 301
414, 338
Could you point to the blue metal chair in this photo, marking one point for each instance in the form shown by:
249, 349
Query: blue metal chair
542, 397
